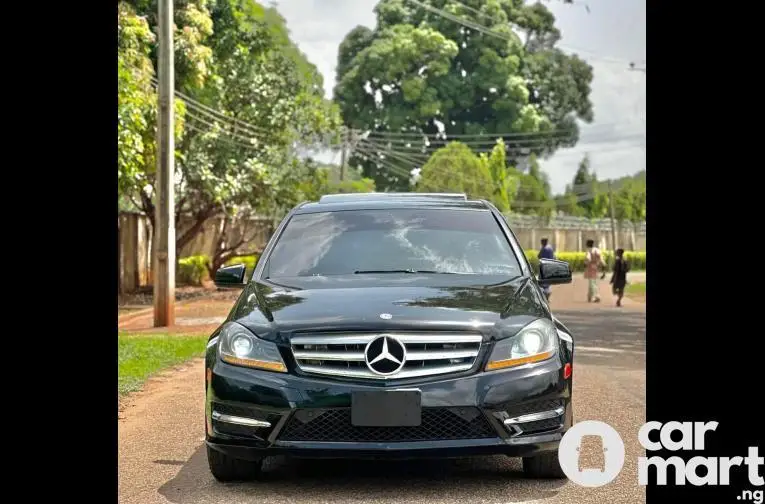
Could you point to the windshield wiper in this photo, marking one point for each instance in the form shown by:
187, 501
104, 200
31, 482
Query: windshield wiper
415, 271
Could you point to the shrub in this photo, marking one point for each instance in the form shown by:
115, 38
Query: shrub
636, 260
192, 270
249, 261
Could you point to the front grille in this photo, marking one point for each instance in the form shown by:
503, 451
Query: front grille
437, 424
342, 354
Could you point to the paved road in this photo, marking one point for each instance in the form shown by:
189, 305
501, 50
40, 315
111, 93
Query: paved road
162, 458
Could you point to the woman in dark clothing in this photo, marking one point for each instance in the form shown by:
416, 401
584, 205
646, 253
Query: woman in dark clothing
619, 277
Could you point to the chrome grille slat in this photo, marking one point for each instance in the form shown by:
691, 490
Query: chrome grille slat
351, 339
435, 339
438, 355
338, 356
342, 354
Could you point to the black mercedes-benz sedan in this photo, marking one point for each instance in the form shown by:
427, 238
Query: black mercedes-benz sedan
389, 325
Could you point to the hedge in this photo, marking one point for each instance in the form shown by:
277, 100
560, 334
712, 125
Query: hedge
192, 270
636, 260
248, 261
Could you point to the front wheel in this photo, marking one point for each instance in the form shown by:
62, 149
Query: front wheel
225, 468
545, 465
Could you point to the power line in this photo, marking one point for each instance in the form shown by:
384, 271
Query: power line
562, 46
373, 157
419, 160
423, 157
220, 136
578, 197
246, 139
529, 143
221, 116
221, 121
488, 31
374, 151
511, 134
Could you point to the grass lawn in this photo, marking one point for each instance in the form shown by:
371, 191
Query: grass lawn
141, 355
635, 291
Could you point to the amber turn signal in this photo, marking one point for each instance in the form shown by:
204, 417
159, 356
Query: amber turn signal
256, 364
491, 366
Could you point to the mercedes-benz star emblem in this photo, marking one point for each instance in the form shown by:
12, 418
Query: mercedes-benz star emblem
385, 355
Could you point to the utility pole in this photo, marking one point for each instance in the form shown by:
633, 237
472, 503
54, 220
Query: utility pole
164, 259
344, 154
611, 211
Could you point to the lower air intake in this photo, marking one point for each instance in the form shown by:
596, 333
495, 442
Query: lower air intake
334, 425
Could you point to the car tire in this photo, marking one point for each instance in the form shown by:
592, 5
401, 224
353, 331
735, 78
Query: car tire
543, 466
225, 468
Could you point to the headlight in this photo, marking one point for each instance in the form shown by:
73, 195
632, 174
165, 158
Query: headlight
535, 342
240, 347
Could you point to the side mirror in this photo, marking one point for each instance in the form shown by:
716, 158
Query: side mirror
230, 276
553, 271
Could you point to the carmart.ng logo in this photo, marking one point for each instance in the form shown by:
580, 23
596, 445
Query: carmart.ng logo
591, 453
603, 452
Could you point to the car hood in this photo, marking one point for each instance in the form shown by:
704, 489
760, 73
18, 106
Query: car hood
495, 308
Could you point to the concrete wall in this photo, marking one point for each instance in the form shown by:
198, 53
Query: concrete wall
134, 251
570, 234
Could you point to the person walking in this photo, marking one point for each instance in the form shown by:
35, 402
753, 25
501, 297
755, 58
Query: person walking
619, 277
546, 252
593, 261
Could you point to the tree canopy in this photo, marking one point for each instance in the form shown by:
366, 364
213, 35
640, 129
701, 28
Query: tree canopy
457, 168
421, 72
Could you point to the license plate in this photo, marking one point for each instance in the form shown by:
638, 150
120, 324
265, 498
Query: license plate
388, 408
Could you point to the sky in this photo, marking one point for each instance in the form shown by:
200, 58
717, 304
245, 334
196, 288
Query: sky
609, 36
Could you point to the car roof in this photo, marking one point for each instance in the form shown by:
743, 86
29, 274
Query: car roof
382, 201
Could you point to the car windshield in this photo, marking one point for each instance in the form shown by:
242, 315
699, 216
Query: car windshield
394, 241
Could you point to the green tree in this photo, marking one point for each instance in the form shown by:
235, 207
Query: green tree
582, 177
193, 27
135, 97
568, 203
590, 195
630, 198
319, 180
266, 95
533, 195
455, 168
417, 70
505, 182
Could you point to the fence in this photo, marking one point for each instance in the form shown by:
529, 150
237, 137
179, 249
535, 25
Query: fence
568, 234
135, 242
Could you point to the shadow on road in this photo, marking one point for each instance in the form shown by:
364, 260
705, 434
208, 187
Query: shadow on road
300, 480
615, 330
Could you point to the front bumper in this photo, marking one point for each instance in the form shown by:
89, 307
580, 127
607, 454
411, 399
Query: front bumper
480, 414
